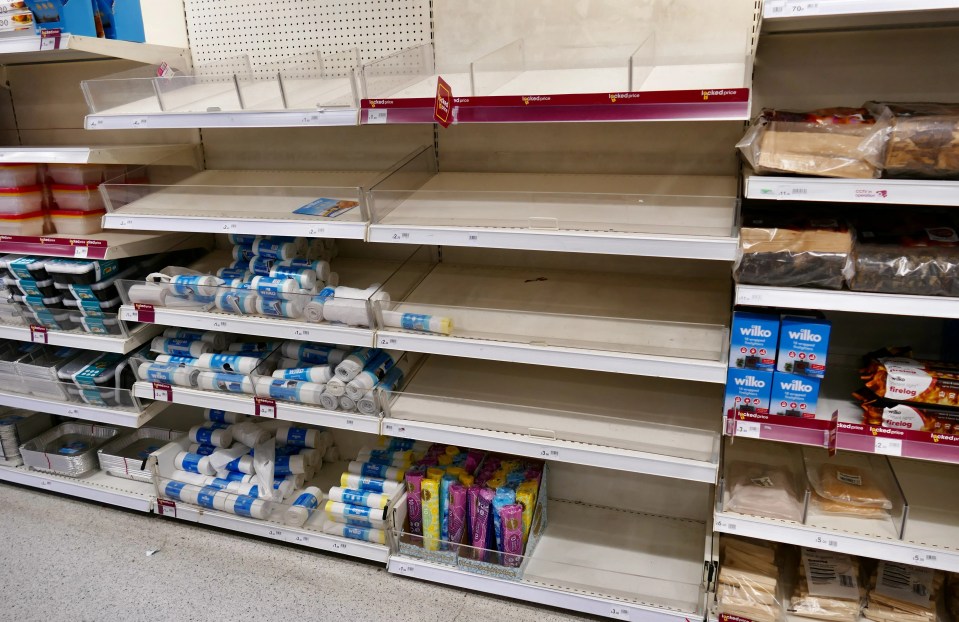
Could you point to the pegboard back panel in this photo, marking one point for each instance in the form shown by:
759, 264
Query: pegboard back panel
269, 31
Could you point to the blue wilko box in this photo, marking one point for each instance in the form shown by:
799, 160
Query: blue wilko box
747, 390
803, 344
794, 396
752, 341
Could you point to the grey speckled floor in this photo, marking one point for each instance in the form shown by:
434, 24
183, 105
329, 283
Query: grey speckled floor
63, 559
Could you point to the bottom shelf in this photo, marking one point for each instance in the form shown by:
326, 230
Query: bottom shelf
600, 561
97, 486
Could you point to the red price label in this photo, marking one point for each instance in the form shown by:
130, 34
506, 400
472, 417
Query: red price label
38, 334
443, 106
165, 507
145, 313
162, 392
264, 407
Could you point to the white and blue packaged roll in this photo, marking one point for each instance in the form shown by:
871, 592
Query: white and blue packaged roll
292, 309
370, 469
314, 308
222, 416
289, 390
179, 347
329, 401
244, 505
201, 287
178, 491
372, 484
321, 374
347, 311
301, 509
287, 465
347, 404
336, 387
239, 301
243, 464
272, 249
236, 363
202, 449
230, 274
356, 362
168, 373
224, 381
275, 288
359, 515
367, 404
367, 534
305, 278
359, 497
362, 384
212, 498
242, 239
260, 266
194, 463
215, 339
208, 435
243, 253
298, 437
254, 346
377, 368
320, 267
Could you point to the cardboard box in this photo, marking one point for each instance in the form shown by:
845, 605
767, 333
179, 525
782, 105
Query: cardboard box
752, 342
803, 344
748, 390
794, 396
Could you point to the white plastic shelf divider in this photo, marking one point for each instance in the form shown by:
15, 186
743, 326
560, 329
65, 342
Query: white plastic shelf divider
848, 301
870, 191
797, 15
246, 405
555, 450
104, 245
273, 328
87, 412
819, 538
27, 49
237, 119
539, 594
283, 533
83, 341
98, 486
96, 154
532, 354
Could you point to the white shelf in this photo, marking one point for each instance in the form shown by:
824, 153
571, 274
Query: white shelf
820, 537
103, 245
98, 154
97, 486
86, 412
848, 301
245, 405
603, 420
26, 49
869, 191
273, 328
666, 216
249, 202
595, 320
237, 119
598, 561
797, 15
81, 340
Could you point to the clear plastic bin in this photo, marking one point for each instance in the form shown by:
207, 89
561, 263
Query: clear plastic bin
76, 174
77, 222
18, 175
20, 200
83, 198
22, 224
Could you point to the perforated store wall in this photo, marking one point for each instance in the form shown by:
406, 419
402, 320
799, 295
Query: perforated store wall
270, 30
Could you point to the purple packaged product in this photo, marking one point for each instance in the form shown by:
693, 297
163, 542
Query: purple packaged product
473, 459
504, 496
511, 521
413, 502
457, 512
479, 540
472, 495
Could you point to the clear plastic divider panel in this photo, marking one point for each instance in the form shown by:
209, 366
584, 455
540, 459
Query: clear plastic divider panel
128, 92
310, 82
211, 88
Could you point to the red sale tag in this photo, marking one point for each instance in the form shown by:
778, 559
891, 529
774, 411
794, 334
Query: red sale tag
162, 392
145, 313
38, 334
264, 407
165, 507
443, 107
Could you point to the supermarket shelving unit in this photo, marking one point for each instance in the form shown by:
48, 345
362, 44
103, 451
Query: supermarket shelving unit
609, 370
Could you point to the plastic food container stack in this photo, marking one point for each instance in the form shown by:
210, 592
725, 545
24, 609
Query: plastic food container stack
76, 174
18, 175
99, 379
39, 371
69, 449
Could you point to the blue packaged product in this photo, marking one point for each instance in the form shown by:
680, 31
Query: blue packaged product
794, 396
803, 344
752, 341
747, 389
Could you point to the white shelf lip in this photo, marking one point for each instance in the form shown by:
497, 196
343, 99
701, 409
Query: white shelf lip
291, 535
272, 328
553, 356
84, 341
77, 488
542, 595
98, 154
784, 10
819, 538
245, 405
556, 450
26, 49
212, 119
638, 244
848, 301
218, 224
87, 412
869, 191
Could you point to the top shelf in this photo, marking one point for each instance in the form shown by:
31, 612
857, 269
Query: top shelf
98, 154
804, 15
36, 49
